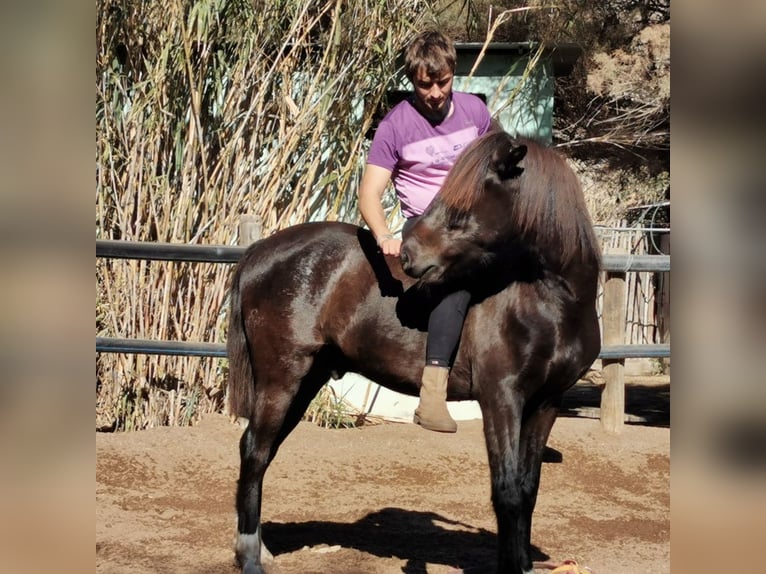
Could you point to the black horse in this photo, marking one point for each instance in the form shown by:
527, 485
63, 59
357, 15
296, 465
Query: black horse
317, 300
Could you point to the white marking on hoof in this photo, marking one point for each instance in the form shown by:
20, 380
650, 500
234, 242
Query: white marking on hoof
248, 545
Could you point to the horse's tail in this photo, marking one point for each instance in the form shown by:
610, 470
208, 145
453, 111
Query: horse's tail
241, 384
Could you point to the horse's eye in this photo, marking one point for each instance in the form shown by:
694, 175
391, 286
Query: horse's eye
455, 224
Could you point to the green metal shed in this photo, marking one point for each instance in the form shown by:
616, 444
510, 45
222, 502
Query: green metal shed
521, 99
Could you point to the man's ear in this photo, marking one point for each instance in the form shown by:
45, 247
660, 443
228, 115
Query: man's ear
505, 160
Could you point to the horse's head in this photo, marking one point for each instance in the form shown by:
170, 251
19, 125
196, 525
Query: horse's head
469, 221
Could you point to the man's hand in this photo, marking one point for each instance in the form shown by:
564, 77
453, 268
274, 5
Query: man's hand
390, 245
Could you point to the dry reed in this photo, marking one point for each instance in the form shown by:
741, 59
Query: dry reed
207, 110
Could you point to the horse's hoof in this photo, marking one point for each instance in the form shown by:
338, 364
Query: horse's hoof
251, 567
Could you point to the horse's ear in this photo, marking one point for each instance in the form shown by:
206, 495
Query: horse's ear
506, 161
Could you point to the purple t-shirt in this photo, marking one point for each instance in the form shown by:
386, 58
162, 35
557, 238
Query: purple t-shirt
418, 154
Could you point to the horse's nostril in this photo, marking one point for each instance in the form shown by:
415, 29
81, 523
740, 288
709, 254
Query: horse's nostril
404, 258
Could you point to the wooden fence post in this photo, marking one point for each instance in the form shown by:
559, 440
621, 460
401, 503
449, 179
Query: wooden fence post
613, 321
250, 228
663, 305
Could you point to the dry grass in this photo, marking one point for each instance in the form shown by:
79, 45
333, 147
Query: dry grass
610, 192
205, 111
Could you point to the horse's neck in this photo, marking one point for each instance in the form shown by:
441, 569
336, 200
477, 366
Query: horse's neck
582, 278
580, 275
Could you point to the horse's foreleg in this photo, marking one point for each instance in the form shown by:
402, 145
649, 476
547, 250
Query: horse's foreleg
254, 459
502, 427
534, 435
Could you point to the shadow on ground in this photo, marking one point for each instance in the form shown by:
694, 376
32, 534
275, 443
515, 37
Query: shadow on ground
644, 404
420, 538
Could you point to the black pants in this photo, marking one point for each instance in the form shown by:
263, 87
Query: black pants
444, 324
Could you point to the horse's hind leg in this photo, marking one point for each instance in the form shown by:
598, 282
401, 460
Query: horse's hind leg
267, 428
255, 455
280, 404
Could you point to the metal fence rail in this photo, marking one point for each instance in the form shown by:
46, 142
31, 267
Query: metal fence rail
191, 349
113, 249
158, 347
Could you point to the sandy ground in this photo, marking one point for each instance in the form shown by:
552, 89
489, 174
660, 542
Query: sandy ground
387, 498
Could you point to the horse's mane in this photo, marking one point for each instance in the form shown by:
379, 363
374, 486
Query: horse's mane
548, 208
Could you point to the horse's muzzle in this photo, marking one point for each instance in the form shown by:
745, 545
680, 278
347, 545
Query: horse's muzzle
413, 265
408, 262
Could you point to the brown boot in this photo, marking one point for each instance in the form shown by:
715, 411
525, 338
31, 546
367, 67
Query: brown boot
432, 413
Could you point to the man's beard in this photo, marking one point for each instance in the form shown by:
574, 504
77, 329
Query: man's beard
438, 116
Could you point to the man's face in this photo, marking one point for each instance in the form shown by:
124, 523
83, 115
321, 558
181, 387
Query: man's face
432, 93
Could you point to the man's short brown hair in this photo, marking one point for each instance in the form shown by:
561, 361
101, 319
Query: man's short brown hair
430, 51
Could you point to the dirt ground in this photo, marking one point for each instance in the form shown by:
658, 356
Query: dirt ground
388, 497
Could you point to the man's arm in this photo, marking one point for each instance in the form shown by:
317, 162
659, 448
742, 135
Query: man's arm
371, 190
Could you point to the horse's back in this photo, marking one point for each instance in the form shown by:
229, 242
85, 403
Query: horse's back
299, 246
326, 284
294, 270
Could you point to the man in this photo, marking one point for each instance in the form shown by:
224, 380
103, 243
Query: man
415, 146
